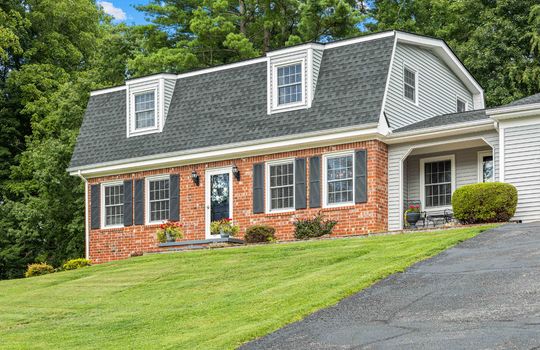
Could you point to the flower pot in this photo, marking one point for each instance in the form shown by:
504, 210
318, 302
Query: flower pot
223, 234
412, 218
169, 237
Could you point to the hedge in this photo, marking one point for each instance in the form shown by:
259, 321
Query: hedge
484, 202
260, 234
38, 269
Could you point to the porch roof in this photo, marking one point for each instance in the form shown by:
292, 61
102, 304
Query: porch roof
446, 119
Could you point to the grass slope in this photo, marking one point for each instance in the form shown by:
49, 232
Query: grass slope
213, 299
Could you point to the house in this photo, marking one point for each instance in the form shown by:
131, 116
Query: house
354, 129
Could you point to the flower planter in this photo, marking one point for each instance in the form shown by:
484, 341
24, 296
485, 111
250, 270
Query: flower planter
223, 234
412, 218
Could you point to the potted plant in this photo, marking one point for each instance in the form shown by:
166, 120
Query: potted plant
169, 232
412, 215
224, 228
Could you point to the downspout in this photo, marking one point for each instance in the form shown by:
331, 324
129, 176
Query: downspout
86, 228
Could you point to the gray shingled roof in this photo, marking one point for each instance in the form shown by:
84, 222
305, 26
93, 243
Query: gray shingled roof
446, 119
229, 106
525, 101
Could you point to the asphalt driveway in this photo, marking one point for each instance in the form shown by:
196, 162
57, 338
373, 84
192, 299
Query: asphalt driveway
481, 294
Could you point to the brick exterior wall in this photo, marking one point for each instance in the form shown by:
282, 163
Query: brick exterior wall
119, 243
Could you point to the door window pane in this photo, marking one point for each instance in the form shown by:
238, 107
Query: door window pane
487, 168
219, 197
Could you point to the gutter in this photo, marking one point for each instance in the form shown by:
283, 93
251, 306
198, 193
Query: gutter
511, 112
86, 228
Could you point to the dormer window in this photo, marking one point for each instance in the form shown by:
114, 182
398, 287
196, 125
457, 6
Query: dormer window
145, 110
289, 83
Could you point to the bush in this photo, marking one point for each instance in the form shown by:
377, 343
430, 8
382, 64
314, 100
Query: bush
315, 227
38, 269
484, 202
74, 264
260, 234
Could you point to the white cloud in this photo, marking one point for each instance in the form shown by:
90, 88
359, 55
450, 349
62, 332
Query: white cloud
115, 12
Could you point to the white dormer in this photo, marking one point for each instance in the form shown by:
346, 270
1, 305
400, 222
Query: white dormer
292, 77
148, 101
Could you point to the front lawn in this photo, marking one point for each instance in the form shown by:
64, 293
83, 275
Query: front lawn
212, 299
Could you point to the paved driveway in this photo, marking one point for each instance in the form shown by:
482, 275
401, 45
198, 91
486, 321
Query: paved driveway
482, 294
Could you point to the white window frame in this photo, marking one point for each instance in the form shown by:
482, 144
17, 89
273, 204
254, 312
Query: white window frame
147, 197
325, 176
139, 91
416, 90
458, 99
103, 211
481, 155
279, 63
267, 187
423, 161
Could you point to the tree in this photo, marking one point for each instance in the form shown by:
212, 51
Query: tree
496, 40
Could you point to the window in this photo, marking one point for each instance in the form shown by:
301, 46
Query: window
289, 83
461, 106
437, 181
485, 166
145, 112
409, 84
158, 199
339, 179
113, 204
280, 181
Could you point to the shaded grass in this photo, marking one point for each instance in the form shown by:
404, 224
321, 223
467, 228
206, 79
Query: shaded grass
212, 299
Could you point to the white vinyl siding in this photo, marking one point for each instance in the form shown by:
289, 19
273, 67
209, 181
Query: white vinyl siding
437, 87
522, 168
280, 190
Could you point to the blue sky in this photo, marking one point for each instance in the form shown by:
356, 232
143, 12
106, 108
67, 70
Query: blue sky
123, 10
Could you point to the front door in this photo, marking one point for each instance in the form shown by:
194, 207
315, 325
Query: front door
218, 197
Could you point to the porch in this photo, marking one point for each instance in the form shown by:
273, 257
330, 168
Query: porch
429, 172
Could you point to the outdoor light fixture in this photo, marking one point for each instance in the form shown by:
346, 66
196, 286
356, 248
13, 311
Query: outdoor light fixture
195, 177
236, 172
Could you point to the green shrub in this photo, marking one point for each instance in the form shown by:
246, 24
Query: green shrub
38, 269
260, 234
315, 227
74, 264
484, 202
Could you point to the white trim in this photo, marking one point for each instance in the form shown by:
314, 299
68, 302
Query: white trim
150, 78
222, 152
102, 204
384, 128
86, 216
107, 90
268, 200
501, 154
360, 39
132, 119
295, 49
222, 67
452, 159
480, 163
207, 214
325, 185
147, 197
507, 111
416, 78
527, 121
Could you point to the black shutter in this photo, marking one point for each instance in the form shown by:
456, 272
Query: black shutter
174, 205
128, 202
300, 200
315, 182
139, 202
360, 176
95, 204
258, 188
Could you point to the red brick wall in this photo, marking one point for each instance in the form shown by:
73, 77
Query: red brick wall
118, 243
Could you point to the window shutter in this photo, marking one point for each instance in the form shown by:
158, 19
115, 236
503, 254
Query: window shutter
95, 204
174, 205
139, 202
300, 200
315, 182
258, 188
360, 177
128, 202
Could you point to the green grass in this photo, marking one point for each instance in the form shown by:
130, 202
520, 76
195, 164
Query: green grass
212, 299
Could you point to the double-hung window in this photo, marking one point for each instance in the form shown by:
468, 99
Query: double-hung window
145, 110
410, 83
289, 84
280, 180
461, 106
339, 179
437, 181
113, 204
158, 195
